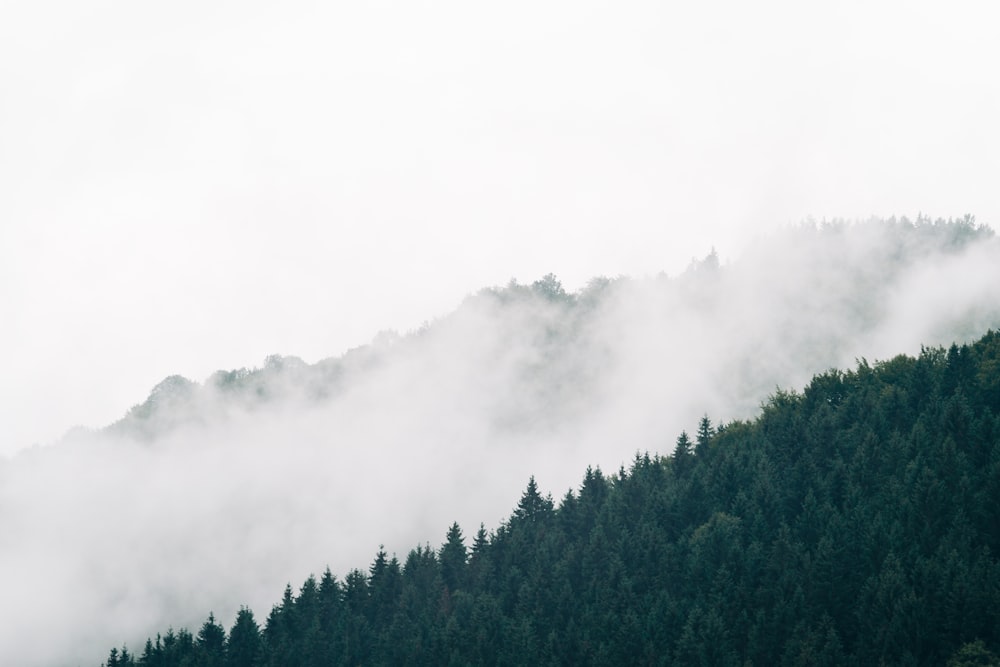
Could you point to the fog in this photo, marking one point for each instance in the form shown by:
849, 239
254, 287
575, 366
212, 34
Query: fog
193, 185
216, 493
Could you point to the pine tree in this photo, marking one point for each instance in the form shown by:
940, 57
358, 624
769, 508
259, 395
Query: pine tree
244, 644
683, 453
705, 433
532, 507
453, 557
384, 585
151, 653
211, 643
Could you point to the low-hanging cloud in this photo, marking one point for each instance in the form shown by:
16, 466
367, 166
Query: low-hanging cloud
213, 495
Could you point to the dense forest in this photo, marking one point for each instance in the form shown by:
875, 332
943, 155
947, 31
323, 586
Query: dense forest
854, 522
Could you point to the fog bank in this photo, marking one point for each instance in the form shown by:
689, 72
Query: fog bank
214, 493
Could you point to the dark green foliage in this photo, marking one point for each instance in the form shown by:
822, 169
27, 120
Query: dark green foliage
974, 654
852, 524
705, 433
453, 558
683, 452
210, 643
244, 643
532, 507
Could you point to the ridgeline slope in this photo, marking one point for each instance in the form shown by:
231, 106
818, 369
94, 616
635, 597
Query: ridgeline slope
852, 523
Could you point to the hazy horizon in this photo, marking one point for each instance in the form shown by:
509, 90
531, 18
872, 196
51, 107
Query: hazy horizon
192, 187
201, 375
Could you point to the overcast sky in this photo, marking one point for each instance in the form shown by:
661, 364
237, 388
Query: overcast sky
189, 186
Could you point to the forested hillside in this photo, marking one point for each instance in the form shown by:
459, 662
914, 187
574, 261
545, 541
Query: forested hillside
855, 522
212, 494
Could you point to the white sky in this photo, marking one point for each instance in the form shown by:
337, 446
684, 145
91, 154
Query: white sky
189, 186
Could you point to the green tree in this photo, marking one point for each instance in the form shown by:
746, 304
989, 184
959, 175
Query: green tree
704, 436
683, 453
385, 585
243, 646
211, 642
532, 507
453, 556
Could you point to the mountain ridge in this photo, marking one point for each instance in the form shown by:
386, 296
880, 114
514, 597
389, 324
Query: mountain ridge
875, 544
895, 244
140, 525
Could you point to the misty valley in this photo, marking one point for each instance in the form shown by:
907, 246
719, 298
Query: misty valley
791, 458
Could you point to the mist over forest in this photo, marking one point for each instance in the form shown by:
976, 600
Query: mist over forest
213, 493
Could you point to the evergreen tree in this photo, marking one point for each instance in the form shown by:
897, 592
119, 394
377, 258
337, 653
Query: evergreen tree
453, 557
244, 644
704, 436
683, 453
385, 585
211, 643
532, 507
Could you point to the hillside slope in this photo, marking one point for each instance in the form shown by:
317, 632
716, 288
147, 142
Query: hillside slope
215, 493
854, 523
